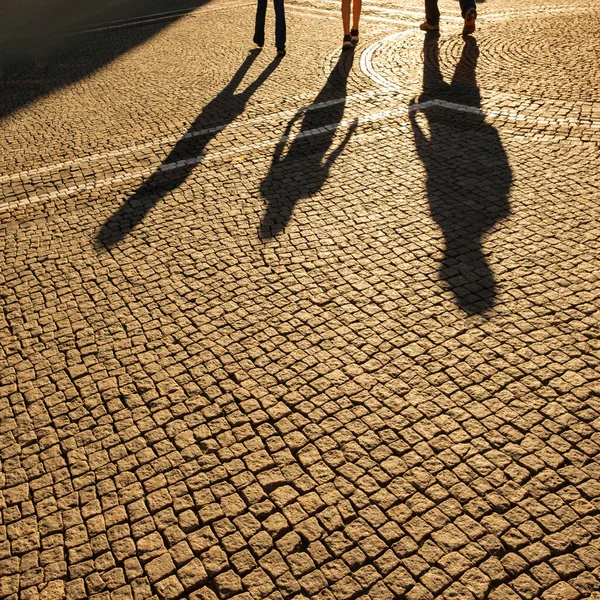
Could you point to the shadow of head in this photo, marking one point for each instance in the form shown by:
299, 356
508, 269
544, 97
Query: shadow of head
187, 154
300, 167
468, 176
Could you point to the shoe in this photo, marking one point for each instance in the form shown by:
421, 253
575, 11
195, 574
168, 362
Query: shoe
259, 43
470, 17
281, 52
347, 43
354, 36
426, 26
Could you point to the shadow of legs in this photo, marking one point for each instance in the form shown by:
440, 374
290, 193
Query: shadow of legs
305, 167
220, 111
468, 177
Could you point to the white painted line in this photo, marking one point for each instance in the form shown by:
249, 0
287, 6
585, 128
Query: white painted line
153, 18
383, 81
325, 14
123, 25
314, 12
366, 64
134, 20
541, 10
418, 15
26, 175
517, 117
206, 158
191, 162
77, 18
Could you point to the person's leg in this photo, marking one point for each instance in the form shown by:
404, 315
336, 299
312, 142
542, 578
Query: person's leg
259, 24
356, 8
465, 5
346, 16
469, 14
280, 31
432, 12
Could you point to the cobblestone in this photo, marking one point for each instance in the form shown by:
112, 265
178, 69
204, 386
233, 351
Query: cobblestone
319, 327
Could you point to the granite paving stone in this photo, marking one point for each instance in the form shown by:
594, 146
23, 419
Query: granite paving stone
322, 326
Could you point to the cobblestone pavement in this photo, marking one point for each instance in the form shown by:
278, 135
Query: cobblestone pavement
321, 327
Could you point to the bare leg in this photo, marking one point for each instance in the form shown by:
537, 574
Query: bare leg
356, 8
346, 16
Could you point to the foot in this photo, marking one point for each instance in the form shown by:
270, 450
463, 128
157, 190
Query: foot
354, 36
259, 43
470, 17
347, 43
281, 52
427, 26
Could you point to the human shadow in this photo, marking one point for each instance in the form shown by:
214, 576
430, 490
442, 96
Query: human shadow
468, 174
46, 45
186, 154
304, 169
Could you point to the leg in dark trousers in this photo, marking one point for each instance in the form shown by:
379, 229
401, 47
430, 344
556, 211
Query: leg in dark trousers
259, 26
432, 12
280, 33
465, 5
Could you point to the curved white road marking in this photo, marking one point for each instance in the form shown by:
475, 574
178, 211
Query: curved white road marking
366, 66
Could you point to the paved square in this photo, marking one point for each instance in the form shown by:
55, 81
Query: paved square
324, 326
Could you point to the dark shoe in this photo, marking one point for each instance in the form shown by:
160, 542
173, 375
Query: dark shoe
281, 52
259, 43
354, 36
347, 43
470, 17
427, 26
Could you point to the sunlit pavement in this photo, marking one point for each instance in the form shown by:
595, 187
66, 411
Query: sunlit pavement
323, 326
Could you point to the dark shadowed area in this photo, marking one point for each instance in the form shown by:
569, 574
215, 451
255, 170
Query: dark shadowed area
45, 44
468, 176
226, 106
304, 169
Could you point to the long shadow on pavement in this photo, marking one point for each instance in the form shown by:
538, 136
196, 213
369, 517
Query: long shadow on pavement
468, 175
183, 158
302, 172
